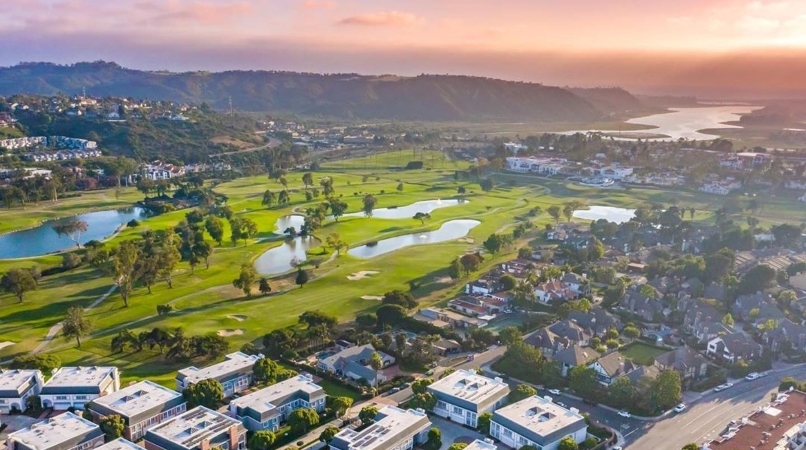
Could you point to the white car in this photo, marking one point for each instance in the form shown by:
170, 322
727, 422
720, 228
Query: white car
624, 414
752, 376
680, 408
722, 387
554, 391
618, 447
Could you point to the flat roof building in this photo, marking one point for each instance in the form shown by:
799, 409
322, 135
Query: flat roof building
197, 429
119, 444
394, 428
538, 422
776, 425
267, 408
63, 432
463, 395
76, 386
15, 388
234, 373
141, 406
478, 444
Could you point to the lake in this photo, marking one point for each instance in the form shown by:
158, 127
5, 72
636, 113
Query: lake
281, 259
450, 230
408, 211
610, 213
42, 239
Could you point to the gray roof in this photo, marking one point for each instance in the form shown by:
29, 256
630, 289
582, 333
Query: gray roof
643, 372
137, 402
681, 359
119, 444
539, 420
79, 380
265, 403
469, 390
616, 364
740, 344
597, 321
236, 364
188, 430
61, 432
576, 355
15, 383
392, 426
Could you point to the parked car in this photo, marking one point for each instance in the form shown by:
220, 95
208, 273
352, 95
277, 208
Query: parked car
752, 376
624, 414
680, 408
722, 387
561, 404
554, 391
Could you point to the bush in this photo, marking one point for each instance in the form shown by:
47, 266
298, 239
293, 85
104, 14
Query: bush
133, 223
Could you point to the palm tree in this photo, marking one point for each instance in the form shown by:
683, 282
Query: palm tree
376, 363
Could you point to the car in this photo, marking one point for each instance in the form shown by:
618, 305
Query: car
624, 414
722, 387
752, 376
680, 408
561, 404
618, 447
763, 374
554, 391
394, 390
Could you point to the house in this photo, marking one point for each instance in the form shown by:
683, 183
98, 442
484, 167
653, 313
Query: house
464, 395
393, 428
574, 355
690, 364
475, 306
786, 336
445, 347
197, 429
15, 388
553, 291
577, 283
234, 373
703, 321
637, 304
756, 308
445, 318
481, 445
538, 422
596, 322
481, 286
353, 363
733, 348
612, 366
558, 336
141, 405
76, 386
267, 408
63, 432
721, 187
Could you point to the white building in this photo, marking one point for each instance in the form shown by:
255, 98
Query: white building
463, 395
394, 429
541, 166
63, 432
159, 170
234, 373
515, 147
721, 187
538, 422
197, 429
76, 386
267, 408
15, 388
119, 444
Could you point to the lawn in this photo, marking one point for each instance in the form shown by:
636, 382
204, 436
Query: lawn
641, 352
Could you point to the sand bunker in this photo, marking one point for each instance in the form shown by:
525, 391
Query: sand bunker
237, 317
443, 280
371, 297
467, 239
228, 333
5, 344
360, 275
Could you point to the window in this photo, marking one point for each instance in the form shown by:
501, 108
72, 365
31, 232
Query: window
61, 397
442, 405
458, 410
507, 432
81, 397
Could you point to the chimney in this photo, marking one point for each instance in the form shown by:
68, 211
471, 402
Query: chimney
233, 437
204, 444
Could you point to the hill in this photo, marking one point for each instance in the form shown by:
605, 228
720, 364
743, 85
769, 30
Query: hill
425, 97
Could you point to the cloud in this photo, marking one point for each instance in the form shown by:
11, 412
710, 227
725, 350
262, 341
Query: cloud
387, 18
318, 4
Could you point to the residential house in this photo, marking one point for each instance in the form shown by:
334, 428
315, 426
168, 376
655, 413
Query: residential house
554, 291
786, 336
267, 408
689, 363
197, 429
703, 321
445, 347
639, 305
596, 322
612, 366
393, 428
464, 395
76, 386
16, 386
577, 283
62, 432
537, 422
756, 308
558, 336
353, 363
445, 318
475, 306
141, 406
721, 187
481, 286
234, 373
733, 348
574, 355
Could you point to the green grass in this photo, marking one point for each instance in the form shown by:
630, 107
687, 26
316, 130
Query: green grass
642, 353
336, 390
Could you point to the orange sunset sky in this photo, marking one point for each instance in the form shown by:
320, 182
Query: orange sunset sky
734, 48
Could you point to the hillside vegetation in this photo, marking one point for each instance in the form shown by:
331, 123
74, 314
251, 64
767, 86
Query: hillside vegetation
425, 97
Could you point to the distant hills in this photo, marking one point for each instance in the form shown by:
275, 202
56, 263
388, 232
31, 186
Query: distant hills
346, 96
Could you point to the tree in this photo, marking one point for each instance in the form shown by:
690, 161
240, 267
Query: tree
245, 279
18, 282
756, 279
283, 198
314, 318
263, 286
335, 241
421, 386
400, 187
302, 419
124, 263
279, 342
510, 335
786, 235
470, 263
728, 320
398, 297
568, 443
719, 265
337, 208
205, 393
266, 370
215, 227
112, 426
302, 277
554, 212
72, 229
508, 282
367, 414
434, 441
461, 190
582, 379
667, 390
327, 434
458, 446
43, 362
307, 179
691, 446
631, 331
786, 297
455, 269
269, 198
75, 325
261, 440
493, 243
568, 212
376, 364
523, 391
622, 393
390, 314
340, 405
421, 216
202, 250
486, 184
369, 204
483, 422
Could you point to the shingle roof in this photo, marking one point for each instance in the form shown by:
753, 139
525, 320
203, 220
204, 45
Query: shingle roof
576, 355
615, 364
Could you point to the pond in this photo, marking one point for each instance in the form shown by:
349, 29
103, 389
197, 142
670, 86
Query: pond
408, 211
281, 259
42, 240
450, 230
610, 213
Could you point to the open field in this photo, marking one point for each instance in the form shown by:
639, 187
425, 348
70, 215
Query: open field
206, 302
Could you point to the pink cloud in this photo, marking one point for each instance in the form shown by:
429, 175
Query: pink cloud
318, 4
385, 18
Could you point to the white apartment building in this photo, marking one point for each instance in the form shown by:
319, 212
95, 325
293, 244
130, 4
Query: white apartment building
15, 388
234, 373
267, 408
464, 395
538, 422
63, 432
77, 386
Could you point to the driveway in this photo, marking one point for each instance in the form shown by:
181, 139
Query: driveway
15, 423
453, 432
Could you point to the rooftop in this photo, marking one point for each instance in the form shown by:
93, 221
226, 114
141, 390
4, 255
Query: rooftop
469, 386
13, 380
137, 398
188, 430
235, 362
54, 431
80, 376
392, 424
539, 415
119, 444
772, 424
481, 445
264, 399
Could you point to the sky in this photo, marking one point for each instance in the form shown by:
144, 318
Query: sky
658, 46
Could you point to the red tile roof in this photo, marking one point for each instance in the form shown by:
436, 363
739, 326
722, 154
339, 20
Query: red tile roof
766, 427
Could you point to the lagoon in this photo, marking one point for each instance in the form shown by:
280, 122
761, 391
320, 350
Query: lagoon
283, 258
609, 213
408, 211
42, 240
453, 229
